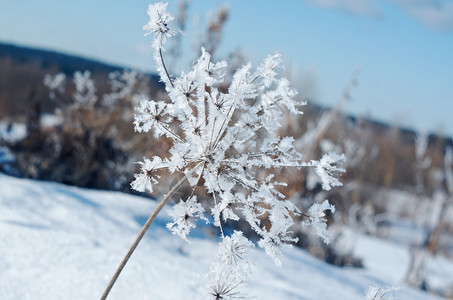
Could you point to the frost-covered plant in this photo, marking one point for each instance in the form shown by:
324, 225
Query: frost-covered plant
84, 110
379, 293
434, 222
184, 213
90, 135
318, 219
422, 161
225, 141
55, 83
85, 90
448, 169
122, 86
84, 96
232, 268
416, 272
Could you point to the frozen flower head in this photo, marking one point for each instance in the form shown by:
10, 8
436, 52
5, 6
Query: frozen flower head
317, 219
158, 23
55, 83
184, 214
226, 286
151, 114
224, 138
232, 249
85, 93
147, 177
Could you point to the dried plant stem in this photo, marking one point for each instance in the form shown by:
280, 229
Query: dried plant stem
141, 234
165, 68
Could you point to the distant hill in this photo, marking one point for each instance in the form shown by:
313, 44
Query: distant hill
52, 62
22, 70
48, 59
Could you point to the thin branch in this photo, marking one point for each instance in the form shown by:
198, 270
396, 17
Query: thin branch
176, 136
225, 122
242, 182
199, 177
141, 234
256, 77
220, 219
165, 68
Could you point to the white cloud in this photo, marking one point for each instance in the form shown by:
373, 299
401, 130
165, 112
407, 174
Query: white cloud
143, 49
366, 8
436, 14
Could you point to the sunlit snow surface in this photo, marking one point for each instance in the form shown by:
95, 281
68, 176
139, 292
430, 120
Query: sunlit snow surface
59, 242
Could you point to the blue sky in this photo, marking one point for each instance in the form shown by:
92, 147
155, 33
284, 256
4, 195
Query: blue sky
403, 49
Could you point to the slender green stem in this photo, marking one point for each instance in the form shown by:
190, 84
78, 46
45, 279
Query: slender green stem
141, 234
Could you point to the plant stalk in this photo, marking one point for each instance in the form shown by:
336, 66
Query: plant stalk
141, 234
165, 68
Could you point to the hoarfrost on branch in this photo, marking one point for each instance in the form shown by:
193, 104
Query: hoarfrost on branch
225, 137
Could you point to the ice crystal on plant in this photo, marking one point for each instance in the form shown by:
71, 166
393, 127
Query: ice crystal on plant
224, 137
317, 219
326, 169
85, 90
226, 286
147, 177
150, 114
229, 274
379, 293
55, 83
184, 214
122, 86
158, 23
232, 249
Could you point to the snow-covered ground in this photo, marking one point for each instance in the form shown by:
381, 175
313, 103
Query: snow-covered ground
60, 242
